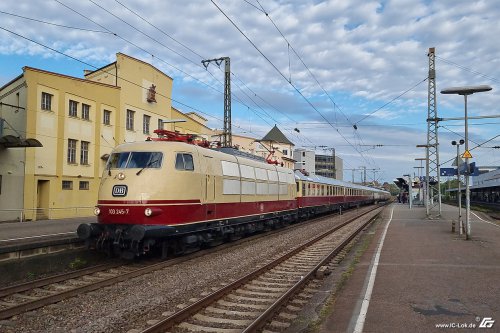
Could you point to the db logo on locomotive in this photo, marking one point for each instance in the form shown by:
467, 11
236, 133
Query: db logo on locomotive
120, 190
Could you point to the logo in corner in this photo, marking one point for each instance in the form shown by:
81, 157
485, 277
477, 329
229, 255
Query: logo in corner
487, 322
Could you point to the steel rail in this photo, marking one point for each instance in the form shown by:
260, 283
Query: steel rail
56, 297
265, 317
54, 279
183, 314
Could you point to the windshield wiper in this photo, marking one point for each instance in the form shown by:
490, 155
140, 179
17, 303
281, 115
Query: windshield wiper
150, 163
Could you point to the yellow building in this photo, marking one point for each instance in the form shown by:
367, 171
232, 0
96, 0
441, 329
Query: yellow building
78, 122
191, 123
56, 133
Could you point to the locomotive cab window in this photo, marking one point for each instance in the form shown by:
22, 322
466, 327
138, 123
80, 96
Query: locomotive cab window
184, 162
135, 159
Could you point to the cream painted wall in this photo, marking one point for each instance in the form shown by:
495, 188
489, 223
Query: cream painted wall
43, 170
12, 160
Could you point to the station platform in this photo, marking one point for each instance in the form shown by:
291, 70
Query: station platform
418, 276
28, 235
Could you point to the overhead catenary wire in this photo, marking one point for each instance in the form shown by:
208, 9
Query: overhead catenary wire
478, 145
284, 77
335, 105
391, 101
489, 77
146, 51
190, 49
120, 77
54, 24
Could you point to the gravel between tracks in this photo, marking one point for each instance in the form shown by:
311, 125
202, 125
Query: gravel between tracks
131, 303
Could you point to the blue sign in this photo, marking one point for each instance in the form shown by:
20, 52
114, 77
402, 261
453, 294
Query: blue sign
448, 172
469, 170
463, 169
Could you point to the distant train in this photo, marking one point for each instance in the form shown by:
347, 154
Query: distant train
176, 196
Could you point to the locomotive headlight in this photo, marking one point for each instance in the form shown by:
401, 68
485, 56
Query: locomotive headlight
121, 176
153, 211
97, 211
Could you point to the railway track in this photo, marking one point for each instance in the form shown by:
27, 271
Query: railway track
32, 295
250, 303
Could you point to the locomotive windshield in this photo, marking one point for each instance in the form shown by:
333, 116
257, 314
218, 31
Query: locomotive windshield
135, 159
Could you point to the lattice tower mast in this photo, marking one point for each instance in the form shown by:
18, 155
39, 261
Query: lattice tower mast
227, 136
432, 149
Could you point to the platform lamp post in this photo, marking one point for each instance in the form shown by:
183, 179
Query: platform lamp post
420, 194
423, 183
459, 192
466, 91
409, 188
427, 176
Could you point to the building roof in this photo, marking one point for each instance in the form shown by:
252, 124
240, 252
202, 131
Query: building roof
27, 68
277, 136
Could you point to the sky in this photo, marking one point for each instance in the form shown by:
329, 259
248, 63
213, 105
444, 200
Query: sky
347, 74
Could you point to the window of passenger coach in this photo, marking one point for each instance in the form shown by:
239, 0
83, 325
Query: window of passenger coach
184, 162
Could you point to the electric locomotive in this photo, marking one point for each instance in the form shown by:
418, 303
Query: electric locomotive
175, 194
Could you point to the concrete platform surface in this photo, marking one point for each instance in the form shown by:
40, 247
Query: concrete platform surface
427, 279
33, 231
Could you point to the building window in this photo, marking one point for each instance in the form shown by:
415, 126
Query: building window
145, 124
130, 120
285, 152
72, 151
84, 153
84, 185
46, 101
107, 117
86, 111
73, 108
160, 124
67, 185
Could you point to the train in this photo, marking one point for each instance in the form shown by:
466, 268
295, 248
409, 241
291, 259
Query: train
174, 194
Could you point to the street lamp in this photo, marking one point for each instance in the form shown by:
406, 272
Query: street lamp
460, 224
428, 196
423, 186
466, 91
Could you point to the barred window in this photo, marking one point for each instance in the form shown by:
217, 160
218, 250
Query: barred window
107, 117
130, 120
86, 111
72, 151
73, 108
46, 101
67, 185
84, 185
145, 124
84, 152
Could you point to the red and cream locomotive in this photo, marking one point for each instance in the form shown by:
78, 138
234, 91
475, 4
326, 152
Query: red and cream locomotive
176, 194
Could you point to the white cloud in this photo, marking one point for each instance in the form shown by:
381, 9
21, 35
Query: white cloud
363, 52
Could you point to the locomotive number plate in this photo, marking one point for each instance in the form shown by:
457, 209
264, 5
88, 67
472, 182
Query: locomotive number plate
120, 190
